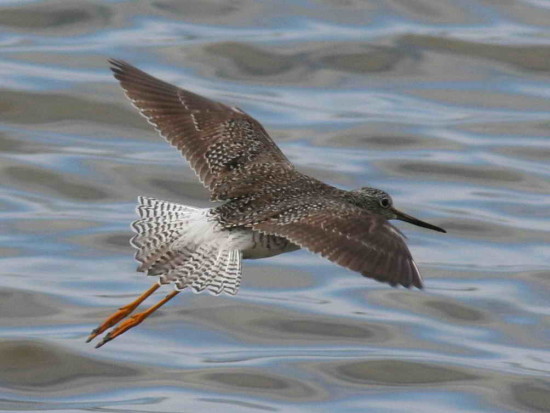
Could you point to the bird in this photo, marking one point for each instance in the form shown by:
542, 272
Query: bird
266, 206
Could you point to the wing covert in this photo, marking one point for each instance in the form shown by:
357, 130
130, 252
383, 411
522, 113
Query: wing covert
221, 143
350, 237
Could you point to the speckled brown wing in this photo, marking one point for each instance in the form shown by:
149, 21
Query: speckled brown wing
350, 237
221, 143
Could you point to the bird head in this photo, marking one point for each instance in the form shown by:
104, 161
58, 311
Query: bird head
379, 202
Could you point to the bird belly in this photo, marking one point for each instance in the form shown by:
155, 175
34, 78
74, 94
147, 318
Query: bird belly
202, 230
256, 245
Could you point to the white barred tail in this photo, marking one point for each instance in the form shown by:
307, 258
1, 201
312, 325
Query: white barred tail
185, 246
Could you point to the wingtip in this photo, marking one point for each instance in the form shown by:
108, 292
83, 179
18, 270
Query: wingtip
116, 62
118, 67
417, 277
416, 283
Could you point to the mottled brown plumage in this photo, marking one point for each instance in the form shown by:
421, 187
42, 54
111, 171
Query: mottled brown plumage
222, 144
239, 163
269, 207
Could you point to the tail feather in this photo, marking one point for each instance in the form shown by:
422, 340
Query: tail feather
168, 247
160, 225
231, 275
225, 275
152, 207
204, 278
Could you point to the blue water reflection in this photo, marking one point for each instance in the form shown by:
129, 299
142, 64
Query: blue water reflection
443, 104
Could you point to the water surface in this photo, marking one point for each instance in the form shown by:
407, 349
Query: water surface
444, 104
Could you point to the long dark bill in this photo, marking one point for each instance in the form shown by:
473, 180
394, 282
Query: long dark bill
407, 218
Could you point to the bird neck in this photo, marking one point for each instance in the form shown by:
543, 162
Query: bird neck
355, 198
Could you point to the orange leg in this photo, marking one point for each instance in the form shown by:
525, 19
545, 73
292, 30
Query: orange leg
135, 320
121, 313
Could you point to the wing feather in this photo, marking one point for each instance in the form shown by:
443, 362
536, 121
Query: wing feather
222, 144
350, 237
236, 160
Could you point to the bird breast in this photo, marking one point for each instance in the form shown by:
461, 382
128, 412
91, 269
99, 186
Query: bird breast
254, 244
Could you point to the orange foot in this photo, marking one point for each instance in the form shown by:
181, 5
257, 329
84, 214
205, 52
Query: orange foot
122, 328
121, 313
135, 320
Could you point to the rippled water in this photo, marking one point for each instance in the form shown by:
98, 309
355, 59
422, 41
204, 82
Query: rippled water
442, 103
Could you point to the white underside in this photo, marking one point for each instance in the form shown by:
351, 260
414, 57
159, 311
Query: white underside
187, 246
204, 230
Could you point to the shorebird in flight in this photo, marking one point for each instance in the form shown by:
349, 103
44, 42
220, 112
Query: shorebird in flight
268, 207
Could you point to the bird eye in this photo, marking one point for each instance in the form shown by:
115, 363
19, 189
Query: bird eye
385, 202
